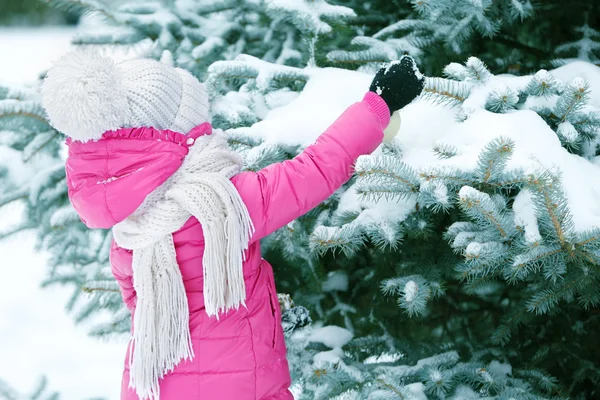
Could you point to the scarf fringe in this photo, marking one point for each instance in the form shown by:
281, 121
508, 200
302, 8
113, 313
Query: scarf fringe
200, 188
226, 237
161, 320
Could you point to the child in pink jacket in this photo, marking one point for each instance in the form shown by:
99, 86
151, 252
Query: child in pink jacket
144, 160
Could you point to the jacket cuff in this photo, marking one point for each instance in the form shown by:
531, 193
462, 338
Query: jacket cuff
379, 107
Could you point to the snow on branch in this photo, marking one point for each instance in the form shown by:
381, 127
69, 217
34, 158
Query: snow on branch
308, 15
265, 74
444, 91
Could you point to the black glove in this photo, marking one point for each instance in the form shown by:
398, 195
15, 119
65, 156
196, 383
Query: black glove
398, 83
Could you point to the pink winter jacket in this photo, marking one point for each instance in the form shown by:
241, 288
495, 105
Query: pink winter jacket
241, 356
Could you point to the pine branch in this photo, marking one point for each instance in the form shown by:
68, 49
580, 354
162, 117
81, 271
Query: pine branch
509, 183
481, 271
494, 158
456, 180
378, 173
16, 195
87, 289
17, 229
479, 203
388, 174
40, 141
24, 114
571, 100
523, 263
445, 91
217, 7
82, 6
360, 61
472, 285
551, 208
543, 302
588, 241
392, 388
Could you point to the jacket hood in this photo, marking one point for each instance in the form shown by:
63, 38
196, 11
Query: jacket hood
109, 178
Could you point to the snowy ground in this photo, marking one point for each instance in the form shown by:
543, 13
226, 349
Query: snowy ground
37, 337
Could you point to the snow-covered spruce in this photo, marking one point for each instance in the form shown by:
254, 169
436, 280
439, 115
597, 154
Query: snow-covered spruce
393, 222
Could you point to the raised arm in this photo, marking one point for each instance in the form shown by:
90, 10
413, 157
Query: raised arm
282, 192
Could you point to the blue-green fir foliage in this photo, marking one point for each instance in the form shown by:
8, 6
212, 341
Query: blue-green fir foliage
434, 278
39, 392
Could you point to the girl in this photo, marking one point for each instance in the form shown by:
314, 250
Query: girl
144, 160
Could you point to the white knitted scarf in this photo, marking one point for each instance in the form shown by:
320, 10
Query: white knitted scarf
201, 187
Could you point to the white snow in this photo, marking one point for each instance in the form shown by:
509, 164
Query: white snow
499, 369
424, 124
465, 393
473, 250
207, 47
17, 172
525, 216
417, 391
468, 192
585, 70
456, 71
411, 289
331, 336
536, 147
37, 336
567, 131
336, 281
378, 212
390, 65
435, 375
348, 395
310, 12
232, 106
297, 389
327, 94
26, 52
418, 73
384, 358
437, 189
329, 356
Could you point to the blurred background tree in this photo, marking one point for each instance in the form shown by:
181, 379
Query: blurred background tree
33, 13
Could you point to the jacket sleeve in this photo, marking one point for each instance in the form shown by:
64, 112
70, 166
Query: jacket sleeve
284, 191
120, 262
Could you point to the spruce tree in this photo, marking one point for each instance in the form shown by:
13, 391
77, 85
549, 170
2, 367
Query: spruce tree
467, 276
489, 253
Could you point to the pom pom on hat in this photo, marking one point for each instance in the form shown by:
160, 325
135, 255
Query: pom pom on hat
86, 94
84, 97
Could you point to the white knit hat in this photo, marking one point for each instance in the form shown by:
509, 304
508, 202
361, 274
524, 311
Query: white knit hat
86, 94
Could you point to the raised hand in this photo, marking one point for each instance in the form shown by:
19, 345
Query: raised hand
398, 83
